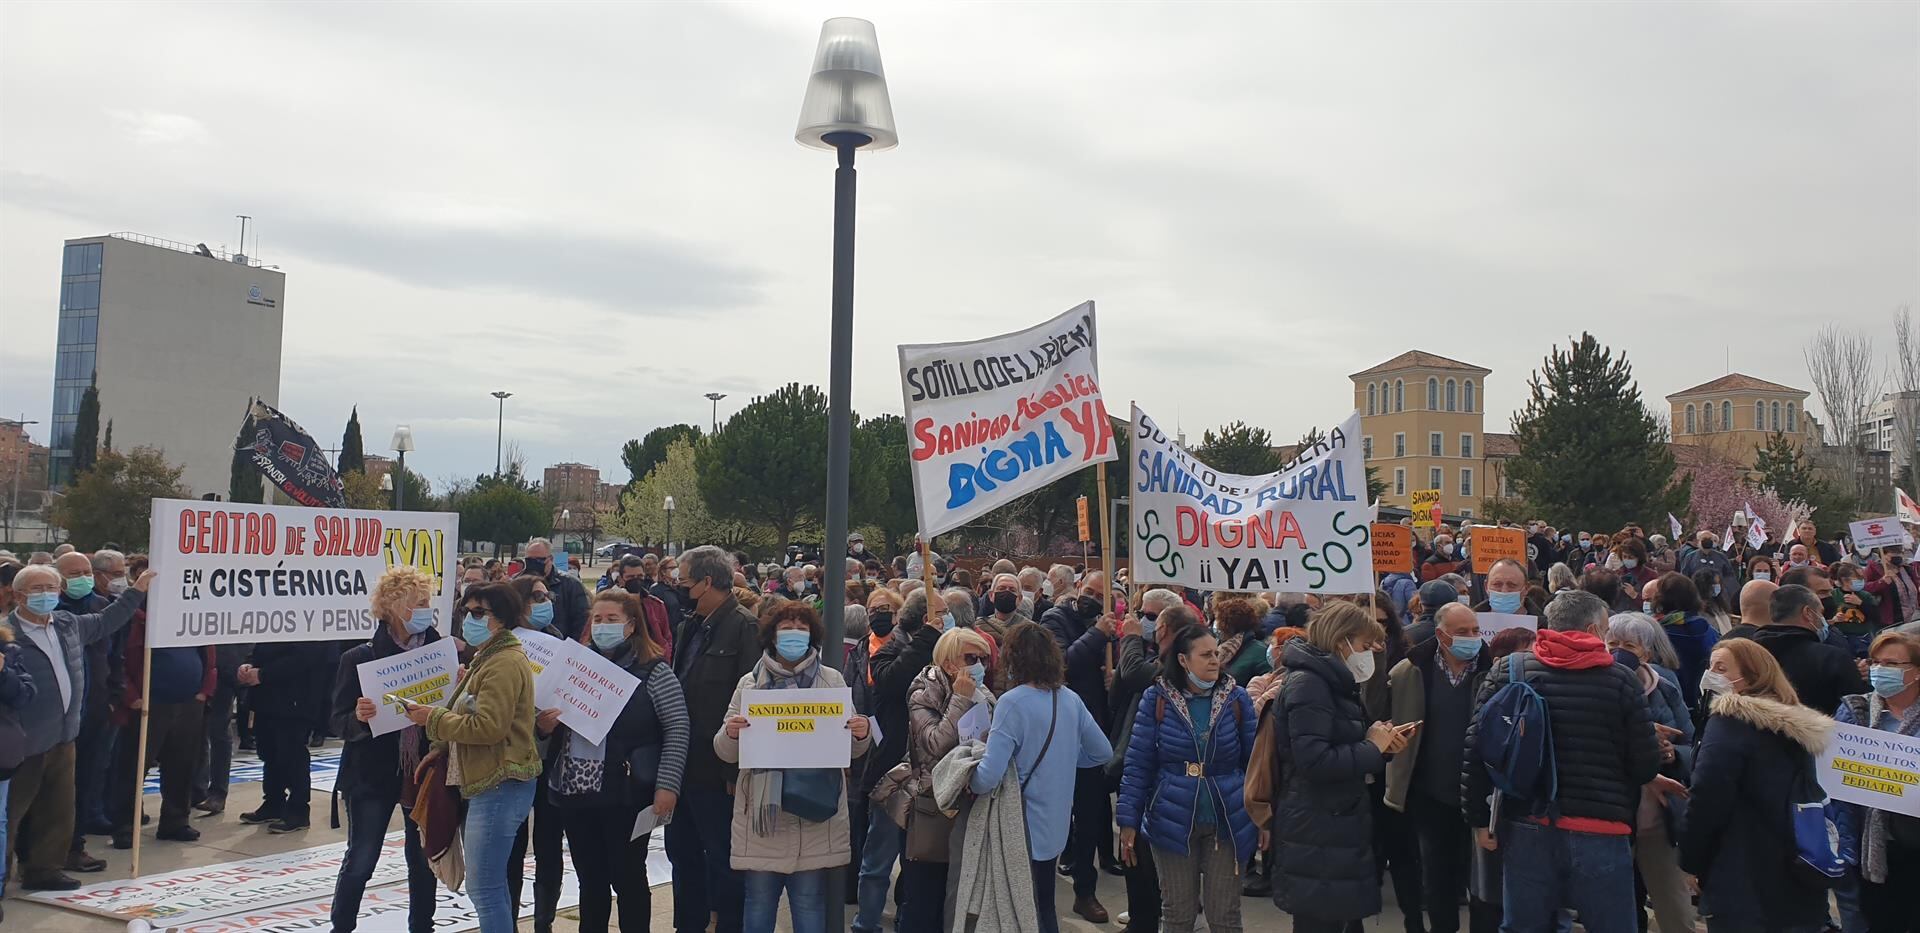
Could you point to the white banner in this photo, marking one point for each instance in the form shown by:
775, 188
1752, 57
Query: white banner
1303, 528
543, 654
235, 572
423, 676
1872, 768
989, 421
802, 728
591, 690
1877, 532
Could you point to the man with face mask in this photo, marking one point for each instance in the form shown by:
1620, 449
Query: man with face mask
1442, 561
80, 594
1820, 673
1086, 638
1435, 684
569, 597
1707, 555
1003, 603
1507, 590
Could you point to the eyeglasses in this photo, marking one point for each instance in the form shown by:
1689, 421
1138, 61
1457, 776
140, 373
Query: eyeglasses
539, 597
475, 610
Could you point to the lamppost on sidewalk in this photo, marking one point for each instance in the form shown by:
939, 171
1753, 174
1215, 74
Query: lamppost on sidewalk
500, 430
402, 442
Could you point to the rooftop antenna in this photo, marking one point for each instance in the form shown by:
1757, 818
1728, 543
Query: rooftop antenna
241, 256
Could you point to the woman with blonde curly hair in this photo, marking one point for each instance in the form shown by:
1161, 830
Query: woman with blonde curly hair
376, 771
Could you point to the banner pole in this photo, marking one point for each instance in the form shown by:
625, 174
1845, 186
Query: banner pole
926, 571
140, 758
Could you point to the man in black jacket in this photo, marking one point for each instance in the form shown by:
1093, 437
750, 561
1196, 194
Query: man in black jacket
282, 675
1820, 673
894, 667
1708, 556
1086, 637
568, 595
1575, 853
718, 644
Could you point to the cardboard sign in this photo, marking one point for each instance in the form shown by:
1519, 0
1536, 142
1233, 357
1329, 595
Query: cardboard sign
804, 728
1086, 527
1877, 533
543, 653
1493, 623
989, 421
590, 691
1873, 769
233, 572
1491, 545
424, 675
1304, 528
1392, 548
1425, 507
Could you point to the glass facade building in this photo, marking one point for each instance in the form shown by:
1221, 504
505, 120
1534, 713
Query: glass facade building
77, 349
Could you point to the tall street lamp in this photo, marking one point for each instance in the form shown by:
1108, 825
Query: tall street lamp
667, 545
500, 430
402, 442
715, 398
566, 516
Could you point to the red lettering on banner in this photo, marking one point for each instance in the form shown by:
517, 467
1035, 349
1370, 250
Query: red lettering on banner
1261, 529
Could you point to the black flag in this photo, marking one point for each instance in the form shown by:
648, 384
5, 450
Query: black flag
288, 456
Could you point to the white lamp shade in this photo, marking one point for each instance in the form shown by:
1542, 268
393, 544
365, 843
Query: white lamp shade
847, 91
403, 439
386, 482
669, 504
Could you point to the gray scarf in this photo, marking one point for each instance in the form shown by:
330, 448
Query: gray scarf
766, 786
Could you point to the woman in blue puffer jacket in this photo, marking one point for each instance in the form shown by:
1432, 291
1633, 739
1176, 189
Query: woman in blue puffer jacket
1183, 784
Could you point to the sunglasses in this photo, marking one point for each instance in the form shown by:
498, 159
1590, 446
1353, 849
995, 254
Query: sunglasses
540, 597
974, 658
475, 610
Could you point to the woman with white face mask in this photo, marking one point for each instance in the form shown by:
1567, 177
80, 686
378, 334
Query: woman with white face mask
1322, 814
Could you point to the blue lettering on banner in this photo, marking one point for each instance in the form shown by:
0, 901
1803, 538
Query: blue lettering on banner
1004, 465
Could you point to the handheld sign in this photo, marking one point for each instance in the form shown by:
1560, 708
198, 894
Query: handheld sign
1493, 623
423, 676
1425, 507
543, 654
1086, 527
1877, 533
1873, 769
1392, 548
589, 690
1491, 545
804, 728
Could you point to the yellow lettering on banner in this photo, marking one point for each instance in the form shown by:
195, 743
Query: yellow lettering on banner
793, 725
777, 710
1875, 771
1879, 787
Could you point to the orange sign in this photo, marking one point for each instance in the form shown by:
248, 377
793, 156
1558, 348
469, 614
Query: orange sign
1494, 544
1392, 548
1086, 529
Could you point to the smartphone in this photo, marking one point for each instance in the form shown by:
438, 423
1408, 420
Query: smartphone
396, 700
1408, 727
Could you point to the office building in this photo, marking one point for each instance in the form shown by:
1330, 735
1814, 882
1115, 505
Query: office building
177, 338
1736, 413
1882, 428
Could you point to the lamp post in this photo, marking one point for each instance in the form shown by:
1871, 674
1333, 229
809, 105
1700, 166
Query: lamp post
402, 442
500, 430
566, 519
386, 486
715, 398
666, 546
846, 108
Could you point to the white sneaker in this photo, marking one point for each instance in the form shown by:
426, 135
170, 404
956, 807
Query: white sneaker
1123, 918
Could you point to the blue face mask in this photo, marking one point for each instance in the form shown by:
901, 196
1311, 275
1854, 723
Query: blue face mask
1504, 603
1466, 649
474, 630
1822, 629
43, 603
609, 634
420, 621
1716, 589
946, 621
1147, 628
1886, 681
979, 673
1856, 584
792, 644
541, 614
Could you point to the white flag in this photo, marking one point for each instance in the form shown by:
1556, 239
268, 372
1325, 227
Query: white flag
1757, 531
1674, 524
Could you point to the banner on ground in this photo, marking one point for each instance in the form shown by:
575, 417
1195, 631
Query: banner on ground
804, 728
1491, 545
589, 690
1873, 768
290, 458
1877, 533
423, 675
237, 572
1303, 528
989, 421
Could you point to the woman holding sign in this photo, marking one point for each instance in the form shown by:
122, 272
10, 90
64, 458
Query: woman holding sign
376, 771
601, 789
1886, 845
485, 731
789, 825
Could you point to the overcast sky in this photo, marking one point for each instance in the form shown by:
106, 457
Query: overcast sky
600, 207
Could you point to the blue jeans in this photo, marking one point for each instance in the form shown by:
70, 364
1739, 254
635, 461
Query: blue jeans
4, 851
699, 844
1548, 870
1846, 896
806, 900
884, 840
493, 819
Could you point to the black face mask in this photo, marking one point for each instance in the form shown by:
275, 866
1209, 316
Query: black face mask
636, 585
1628, 658
1089, 607
1006, 603
536, 566
882, 623
686, 595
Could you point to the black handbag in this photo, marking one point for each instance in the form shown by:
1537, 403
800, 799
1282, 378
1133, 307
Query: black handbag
928, 830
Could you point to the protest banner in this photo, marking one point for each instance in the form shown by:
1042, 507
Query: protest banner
1493, 623
1904, 508
1302, 528
989, 421
233, 572
1877, 533
589, 690
543, 655
1873, 768
1392, 548
1425, 506
290, 458
804, 728
423, 675
1491, 545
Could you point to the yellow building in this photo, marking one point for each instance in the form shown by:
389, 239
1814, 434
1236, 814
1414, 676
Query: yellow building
1422, 426
1736, 413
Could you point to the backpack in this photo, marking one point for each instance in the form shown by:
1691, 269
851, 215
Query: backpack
1514, 738
1816, 859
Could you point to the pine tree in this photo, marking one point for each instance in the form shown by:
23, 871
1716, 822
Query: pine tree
106, 443
86, 430
1591, 454
1240, 448
353, 456
243, 479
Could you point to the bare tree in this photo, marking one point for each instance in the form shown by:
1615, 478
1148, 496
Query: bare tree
1906, 404
1847, 377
